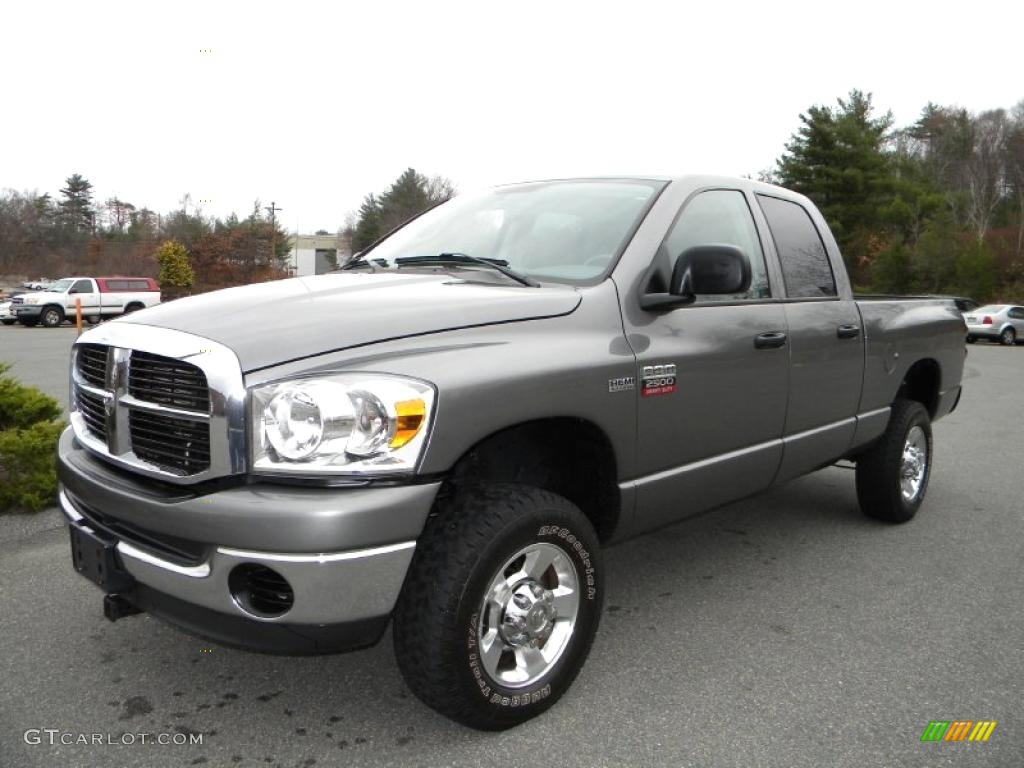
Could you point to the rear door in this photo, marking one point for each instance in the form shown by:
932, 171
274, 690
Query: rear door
825, 339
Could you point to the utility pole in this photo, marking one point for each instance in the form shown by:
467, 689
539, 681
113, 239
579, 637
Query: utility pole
272, 209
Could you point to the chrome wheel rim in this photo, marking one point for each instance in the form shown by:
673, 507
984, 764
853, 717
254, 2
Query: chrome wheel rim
914, 464
528, 615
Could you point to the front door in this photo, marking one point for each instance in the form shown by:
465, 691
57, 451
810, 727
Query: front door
85, 291
712, 376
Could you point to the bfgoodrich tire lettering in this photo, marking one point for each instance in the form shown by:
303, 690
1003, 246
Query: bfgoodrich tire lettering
892, 475
438, 619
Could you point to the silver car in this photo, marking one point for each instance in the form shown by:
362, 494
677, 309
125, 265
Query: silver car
996, 322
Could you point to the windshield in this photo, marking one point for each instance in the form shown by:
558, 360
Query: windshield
569, 231
61, 286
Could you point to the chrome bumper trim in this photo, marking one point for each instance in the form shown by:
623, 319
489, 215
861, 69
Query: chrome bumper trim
329, 587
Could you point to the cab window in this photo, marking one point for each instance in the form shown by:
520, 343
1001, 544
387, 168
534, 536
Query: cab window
717, 216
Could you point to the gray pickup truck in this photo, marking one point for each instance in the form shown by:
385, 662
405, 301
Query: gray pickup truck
445, 433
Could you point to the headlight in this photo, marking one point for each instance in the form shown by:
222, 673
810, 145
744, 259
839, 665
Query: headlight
31, 300
340, 424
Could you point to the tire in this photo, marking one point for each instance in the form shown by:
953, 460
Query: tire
971, 339
51, 317
92, 319
1008, 337
442, 626
8, 322
882, 490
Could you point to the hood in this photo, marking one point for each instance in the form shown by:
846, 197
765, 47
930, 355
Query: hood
271, 323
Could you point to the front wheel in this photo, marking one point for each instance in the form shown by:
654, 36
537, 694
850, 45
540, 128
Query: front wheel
500, 606
971, 339
892, 475
1008, 337
51, 317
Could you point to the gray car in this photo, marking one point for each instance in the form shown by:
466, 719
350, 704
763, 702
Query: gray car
996, 322
447, 433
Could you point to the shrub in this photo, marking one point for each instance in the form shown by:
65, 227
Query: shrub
29, 429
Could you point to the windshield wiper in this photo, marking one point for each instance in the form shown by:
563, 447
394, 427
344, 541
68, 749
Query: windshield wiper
359, 261
463, 259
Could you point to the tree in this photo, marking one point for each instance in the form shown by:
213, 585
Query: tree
368, 226
409, 195
175, 266
119, 213
76, 207
837, 158
986, 170
1014, 149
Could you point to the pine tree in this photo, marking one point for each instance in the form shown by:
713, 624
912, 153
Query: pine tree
837, 159
76, 207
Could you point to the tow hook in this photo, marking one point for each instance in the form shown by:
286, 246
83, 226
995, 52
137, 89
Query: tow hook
116, 607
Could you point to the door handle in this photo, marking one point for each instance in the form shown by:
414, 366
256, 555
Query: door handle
850, 331
770, 340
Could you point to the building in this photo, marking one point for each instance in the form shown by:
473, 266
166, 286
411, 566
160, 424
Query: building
314, 254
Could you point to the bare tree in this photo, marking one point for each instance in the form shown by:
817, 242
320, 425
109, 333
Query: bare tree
986, 171
1015, 170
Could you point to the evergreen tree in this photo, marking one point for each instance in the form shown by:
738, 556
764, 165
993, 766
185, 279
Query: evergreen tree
368, 227
76, 207
837, 158
175, 265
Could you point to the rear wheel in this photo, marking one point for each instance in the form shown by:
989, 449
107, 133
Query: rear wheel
51, 317
892, 475
133, 307
1008, 337
500, 605
971, 339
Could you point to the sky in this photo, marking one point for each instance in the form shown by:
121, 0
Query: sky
312, 105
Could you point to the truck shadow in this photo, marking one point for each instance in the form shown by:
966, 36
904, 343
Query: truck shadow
258, 707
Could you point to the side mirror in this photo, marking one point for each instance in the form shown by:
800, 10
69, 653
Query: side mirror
714, 269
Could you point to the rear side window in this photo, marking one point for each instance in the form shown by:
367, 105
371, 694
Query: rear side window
1017, 313
802, 254
127, 285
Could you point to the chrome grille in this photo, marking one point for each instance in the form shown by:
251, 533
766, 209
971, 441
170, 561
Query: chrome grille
168, 382
93, 412
176, 445
168, 404
92, 363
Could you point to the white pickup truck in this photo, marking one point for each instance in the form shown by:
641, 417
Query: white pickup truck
100, 297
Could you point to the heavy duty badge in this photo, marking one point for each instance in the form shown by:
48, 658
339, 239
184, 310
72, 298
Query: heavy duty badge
658, 380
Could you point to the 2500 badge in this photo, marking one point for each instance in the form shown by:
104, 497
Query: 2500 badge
658, 379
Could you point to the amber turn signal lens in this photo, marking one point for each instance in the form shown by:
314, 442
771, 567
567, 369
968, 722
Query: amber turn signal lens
410, 415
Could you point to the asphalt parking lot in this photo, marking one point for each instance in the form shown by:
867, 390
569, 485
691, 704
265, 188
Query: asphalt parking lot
785, 630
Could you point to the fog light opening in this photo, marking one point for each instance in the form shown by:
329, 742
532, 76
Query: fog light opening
260, 591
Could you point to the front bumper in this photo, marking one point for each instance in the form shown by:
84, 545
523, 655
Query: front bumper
343, 551
28, 311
